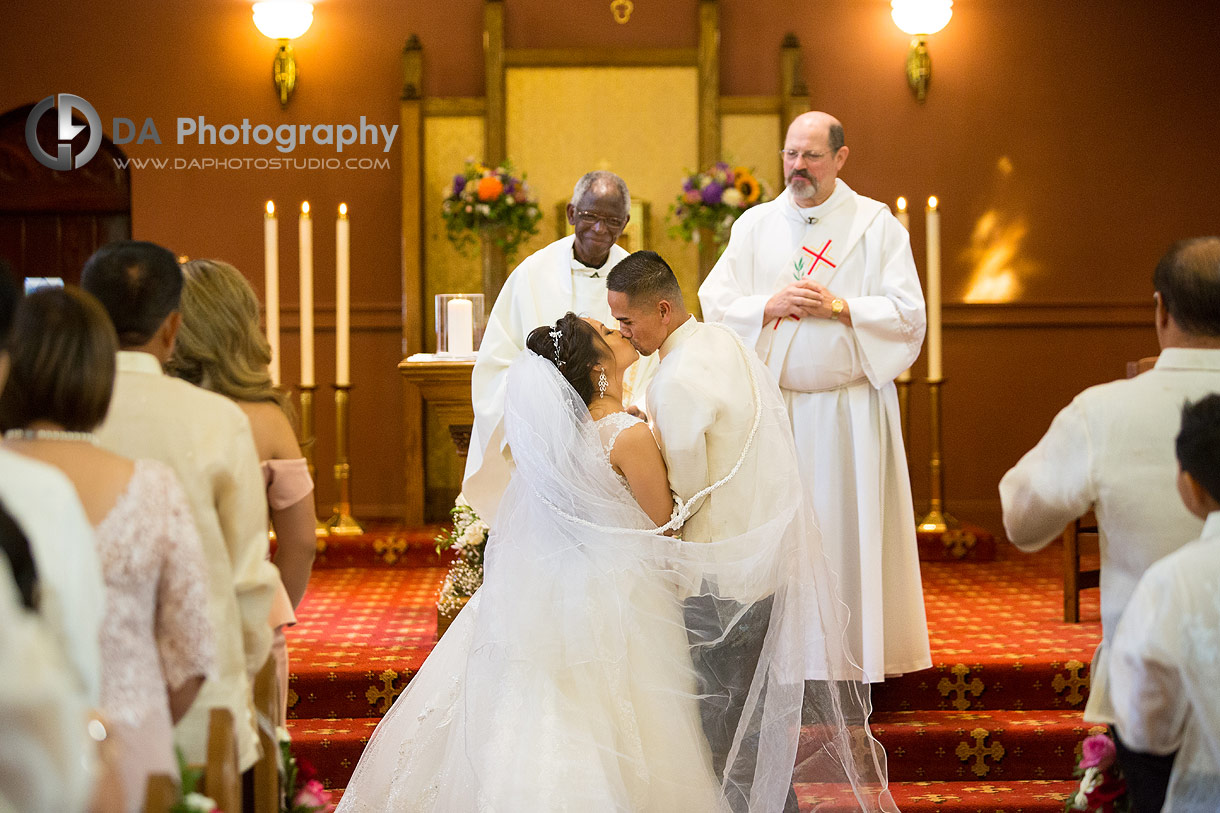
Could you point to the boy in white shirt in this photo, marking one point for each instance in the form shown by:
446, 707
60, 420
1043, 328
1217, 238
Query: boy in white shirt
1165, 666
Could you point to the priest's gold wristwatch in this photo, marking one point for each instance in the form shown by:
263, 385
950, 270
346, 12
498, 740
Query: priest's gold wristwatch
836, 307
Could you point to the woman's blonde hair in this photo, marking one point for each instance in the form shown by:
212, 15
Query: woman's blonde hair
220, 346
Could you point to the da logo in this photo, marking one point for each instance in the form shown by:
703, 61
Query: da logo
62, 160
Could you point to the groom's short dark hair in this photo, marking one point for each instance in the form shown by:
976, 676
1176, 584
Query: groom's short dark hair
644, 276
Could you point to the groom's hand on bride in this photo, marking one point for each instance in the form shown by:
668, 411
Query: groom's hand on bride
637, 412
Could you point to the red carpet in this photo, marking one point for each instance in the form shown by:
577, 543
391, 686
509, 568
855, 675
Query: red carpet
994, 726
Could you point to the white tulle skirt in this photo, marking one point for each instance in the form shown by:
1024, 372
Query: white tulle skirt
478, 730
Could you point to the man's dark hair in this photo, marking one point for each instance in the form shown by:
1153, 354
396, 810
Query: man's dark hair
1198, 443
138, 283
836, 138
1188, 280
62, 353
576, 351
644, 277
10, 294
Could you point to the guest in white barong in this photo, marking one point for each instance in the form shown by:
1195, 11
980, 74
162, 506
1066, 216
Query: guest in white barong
822, 284
568, 275
1112, 449
1164, 669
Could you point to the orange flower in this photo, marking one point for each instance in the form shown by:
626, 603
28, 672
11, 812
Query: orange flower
490, 188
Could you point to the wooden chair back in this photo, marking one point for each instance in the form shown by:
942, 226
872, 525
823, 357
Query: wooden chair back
267, 769
222, 773
160, 794
1084, 529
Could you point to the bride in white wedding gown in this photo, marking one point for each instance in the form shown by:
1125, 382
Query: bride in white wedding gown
566, 683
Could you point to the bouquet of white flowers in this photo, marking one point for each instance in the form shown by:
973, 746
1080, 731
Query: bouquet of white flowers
468, 539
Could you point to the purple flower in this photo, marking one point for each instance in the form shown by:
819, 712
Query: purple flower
711, 193
688, 185
459, 183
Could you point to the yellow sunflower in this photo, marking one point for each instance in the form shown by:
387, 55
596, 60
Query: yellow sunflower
746, 184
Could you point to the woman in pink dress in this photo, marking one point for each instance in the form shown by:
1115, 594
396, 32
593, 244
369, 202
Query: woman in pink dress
221, 348
156, 640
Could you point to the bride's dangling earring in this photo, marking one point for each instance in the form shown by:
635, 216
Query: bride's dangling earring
602, 384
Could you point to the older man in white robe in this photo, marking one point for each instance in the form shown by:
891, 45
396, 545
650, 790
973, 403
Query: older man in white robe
822, 284
567, 275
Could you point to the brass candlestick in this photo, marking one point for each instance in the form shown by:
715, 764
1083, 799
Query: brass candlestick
343, 523
306, 441
937, 519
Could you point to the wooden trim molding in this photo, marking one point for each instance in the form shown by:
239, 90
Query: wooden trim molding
749, 105
495, 116
455, 106
375, 318
709, 83
600, 57
1048, 314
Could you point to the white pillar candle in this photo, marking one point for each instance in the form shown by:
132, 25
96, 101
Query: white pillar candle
459, 324
343, 305
933, 292
271, 275
306, 241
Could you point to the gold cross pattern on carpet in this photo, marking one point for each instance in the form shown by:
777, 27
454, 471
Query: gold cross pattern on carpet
980, 752
961, 686
1073, 681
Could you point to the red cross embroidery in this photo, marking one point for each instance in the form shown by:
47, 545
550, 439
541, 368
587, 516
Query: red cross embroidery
818, 257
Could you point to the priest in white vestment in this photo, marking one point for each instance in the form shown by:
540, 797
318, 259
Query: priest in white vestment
567, 275
822, 284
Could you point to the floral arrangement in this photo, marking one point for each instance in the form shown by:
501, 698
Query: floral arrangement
490, 201
1102, 786
469, 539
300, 789
713, 200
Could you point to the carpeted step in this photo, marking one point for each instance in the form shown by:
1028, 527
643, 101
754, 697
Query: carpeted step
1022, 796
976, 746
333, 747
382, 546
1051, 680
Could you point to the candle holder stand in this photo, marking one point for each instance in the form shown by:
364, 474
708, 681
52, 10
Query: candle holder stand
937, 519
306, 440
343, 523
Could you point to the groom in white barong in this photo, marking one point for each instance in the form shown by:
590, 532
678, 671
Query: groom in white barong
753, 605
822, 284
567, 275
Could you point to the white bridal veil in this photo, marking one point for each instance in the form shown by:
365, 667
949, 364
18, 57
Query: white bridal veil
583, 675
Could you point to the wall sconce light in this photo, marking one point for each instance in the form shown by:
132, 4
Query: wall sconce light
919, 19
283, 21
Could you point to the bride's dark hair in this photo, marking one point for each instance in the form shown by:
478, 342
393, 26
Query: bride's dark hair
580, 349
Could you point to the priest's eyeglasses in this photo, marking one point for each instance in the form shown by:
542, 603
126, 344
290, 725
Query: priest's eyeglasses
810, 157
593, 218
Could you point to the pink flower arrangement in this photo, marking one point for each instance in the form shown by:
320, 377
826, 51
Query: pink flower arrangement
1102, 786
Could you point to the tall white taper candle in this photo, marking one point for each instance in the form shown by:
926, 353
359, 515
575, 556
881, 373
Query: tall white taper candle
271, 275
306, 241
343, 304
932, 295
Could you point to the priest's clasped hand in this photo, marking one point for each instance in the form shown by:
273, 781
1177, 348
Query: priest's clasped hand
805, 298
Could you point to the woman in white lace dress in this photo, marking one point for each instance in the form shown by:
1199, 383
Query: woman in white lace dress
156, 640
